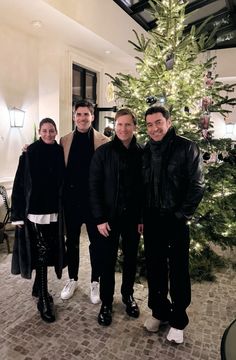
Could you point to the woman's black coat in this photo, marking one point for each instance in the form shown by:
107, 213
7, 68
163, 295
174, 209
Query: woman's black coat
22, 259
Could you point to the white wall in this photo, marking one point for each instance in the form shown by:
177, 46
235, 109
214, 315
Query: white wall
19, 88
225, 66
49, 72
36, 75
226, 70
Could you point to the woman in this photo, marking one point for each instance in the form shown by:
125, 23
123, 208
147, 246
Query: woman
36, 211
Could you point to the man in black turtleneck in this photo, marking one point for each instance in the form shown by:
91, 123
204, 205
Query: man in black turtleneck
173, 188
79, 146
116, 195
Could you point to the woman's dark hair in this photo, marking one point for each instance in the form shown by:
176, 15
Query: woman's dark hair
157, 109
125, 111
46, 121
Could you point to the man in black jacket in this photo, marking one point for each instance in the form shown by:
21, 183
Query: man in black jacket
115, 194
173, 187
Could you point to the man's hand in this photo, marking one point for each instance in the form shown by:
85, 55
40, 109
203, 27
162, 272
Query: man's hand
104, 229
140, 229
24, 149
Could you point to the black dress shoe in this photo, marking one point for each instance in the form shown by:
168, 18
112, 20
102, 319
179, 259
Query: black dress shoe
105, 315
46, 309
132, 308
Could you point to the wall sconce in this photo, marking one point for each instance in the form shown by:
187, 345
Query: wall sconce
229, 128
17, 117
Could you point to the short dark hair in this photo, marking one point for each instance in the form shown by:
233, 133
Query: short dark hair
46, 121
158, 109
85, 103
125, 111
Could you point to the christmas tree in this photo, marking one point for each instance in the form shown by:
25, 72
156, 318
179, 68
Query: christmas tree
171, 71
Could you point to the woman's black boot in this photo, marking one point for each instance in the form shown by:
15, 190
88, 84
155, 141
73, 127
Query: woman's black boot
35, 288
45, 306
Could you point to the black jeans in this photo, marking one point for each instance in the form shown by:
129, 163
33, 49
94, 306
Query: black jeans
74, 219
166, 240
43, 243
124, 229
43, 246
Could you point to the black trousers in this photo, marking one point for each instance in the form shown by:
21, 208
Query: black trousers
43, 238
43, 243
74, 219
124, 231
166, 242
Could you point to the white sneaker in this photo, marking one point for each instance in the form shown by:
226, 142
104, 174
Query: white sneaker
175, 335
152, 324
69, 289
95, 293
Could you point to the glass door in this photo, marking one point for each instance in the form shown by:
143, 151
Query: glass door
84, 83
104, 118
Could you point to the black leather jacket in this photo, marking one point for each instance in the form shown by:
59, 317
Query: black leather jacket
181, 184
105, 180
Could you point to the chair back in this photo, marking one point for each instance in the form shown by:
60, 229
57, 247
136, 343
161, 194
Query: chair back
3, 193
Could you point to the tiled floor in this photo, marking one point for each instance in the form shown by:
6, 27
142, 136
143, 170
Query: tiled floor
76, 334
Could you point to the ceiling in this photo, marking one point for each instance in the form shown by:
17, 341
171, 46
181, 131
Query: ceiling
223, 12
78, 24
101, 29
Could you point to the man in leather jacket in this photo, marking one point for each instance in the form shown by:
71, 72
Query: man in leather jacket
173, 188
115, 194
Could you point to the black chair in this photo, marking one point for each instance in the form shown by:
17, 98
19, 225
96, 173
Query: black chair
6, 220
